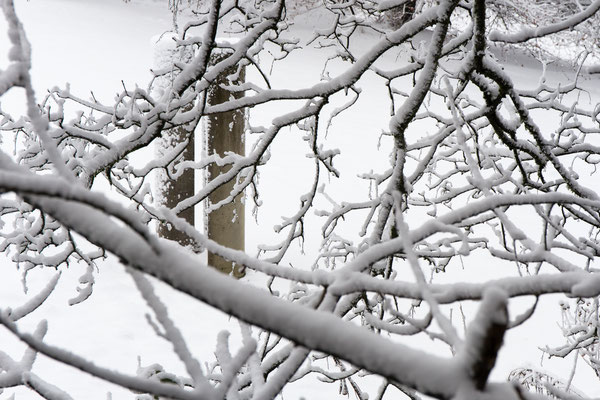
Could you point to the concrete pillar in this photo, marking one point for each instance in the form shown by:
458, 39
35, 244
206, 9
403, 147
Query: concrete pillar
225, 133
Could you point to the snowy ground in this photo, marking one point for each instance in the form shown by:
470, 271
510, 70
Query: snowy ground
94, 45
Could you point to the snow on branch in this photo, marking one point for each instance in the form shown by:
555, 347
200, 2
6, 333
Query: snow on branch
66, 357
531, 33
